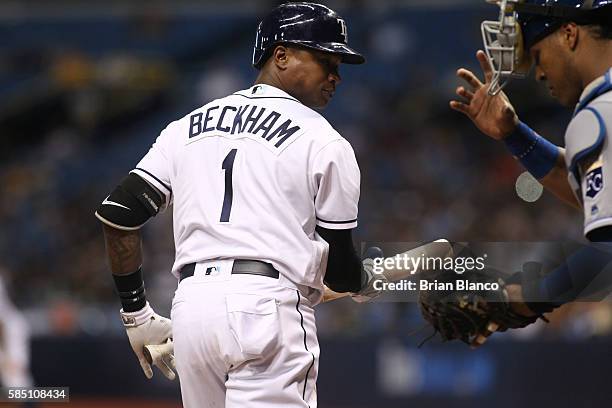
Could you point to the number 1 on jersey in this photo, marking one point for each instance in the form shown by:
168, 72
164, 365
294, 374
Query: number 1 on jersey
228, 166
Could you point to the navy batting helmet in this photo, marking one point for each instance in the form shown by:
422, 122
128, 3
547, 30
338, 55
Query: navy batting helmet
307, 24
539, 18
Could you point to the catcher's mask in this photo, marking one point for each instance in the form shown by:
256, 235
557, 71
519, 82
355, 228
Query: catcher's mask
522, 23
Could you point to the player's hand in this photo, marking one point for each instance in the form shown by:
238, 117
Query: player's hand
329, 295
493, 115
147, 328
369, 292
162, 356
518, 306
516, 300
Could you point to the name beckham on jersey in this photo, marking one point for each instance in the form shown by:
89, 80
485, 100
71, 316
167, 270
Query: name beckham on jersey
232, 120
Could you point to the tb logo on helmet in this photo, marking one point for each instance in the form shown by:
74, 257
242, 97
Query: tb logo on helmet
343, 31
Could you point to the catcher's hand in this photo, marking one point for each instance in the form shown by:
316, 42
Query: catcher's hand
493, 115
472, 315
145, 328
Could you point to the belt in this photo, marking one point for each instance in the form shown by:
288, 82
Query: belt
241, 267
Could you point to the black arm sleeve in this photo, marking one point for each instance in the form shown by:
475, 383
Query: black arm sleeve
601, 234
344, 268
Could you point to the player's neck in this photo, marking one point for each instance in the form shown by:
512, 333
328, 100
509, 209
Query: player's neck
266, 78
600, 61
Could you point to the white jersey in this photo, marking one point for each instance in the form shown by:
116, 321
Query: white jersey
15, 344
587, 139
250, 176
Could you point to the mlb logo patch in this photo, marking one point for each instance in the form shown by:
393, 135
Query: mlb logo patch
594, 182
212, 270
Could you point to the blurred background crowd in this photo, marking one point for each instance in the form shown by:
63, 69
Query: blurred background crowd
86, 87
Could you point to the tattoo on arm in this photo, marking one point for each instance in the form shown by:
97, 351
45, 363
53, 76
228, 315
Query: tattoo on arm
123, 249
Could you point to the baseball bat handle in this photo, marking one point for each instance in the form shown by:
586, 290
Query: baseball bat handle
414, 261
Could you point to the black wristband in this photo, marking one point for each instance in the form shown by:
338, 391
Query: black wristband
131, 291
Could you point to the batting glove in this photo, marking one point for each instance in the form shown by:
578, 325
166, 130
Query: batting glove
150, 336
368, 292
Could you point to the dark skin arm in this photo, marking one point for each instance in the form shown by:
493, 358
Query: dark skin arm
556, 182
495, 116
123, 249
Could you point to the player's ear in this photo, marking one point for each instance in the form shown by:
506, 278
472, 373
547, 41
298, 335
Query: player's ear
569, 32
280, 56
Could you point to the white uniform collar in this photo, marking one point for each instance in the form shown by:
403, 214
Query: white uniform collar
266, 91
597, 87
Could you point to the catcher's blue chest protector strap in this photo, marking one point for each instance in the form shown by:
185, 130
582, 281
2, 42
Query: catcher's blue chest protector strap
586, 140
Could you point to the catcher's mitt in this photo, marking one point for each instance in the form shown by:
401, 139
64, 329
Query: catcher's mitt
467, 314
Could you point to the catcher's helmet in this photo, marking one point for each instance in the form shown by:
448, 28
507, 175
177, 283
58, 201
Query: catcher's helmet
539, 18
522, 23
308, 24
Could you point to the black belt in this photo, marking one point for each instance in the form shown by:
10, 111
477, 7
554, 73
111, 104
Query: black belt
241, 267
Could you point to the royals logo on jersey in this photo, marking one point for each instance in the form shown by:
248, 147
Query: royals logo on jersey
594, 182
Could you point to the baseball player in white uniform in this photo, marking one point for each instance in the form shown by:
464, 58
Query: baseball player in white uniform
14, 343
265, 195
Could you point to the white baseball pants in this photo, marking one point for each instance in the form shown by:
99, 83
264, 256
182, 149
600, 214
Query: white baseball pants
243, 341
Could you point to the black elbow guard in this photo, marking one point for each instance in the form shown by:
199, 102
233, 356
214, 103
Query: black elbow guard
131, 204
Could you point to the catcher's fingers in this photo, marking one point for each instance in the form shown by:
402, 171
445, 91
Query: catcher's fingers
464, 93
470, 78
460, 107
482, 337
485, 65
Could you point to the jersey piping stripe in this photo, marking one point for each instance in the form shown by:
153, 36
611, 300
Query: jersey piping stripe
267, 97
606, 221
297, 307
336, 222
158, 180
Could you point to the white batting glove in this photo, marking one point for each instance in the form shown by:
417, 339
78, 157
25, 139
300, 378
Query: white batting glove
162, 356
146, 328
368, 292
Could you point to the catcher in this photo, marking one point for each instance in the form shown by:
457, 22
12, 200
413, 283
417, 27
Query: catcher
569, 42
523, 297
